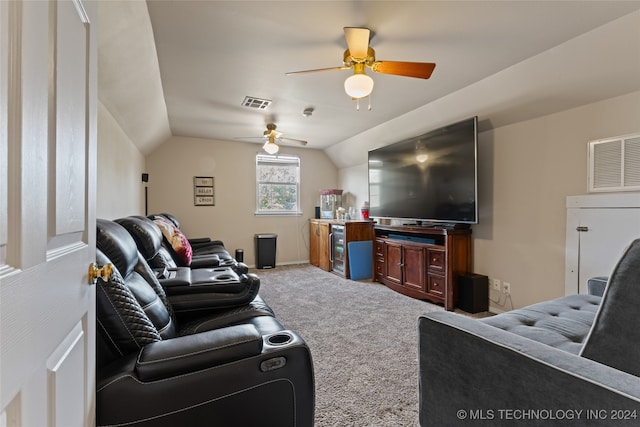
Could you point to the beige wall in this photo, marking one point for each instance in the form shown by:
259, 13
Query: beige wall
357, 188
171, 170
120, 167
535, 165
526, 170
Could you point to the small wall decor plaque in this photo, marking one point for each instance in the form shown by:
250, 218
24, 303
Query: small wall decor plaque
204, 191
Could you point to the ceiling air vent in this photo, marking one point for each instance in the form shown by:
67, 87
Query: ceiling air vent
258, 103
614, 164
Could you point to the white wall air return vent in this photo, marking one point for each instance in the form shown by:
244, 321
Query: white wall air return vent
614, 164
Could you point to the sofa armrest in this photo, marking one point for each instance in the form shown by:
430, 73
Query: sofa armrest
183, 280
199, 240
177, 356
206, 297
180, 276
205, 261
470, 370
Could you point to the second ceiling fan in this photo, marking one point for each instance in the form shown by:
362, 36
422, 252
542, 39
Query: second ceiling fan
360, 55
272, 135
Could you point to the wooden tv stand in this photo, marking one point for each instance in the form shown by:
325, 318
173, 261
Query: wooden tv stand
422, 262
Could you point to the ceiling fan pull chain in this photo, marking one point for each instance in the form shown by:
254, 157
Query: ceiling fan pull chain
357, 104
369, 102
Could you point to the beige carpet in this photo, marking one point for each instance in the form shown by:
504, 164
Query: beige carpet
363, 339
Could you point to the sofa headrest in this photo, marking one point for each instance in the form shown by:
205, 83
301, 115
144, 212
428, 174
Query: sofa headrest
145, 232
123, 325
171, 218
615, 334
117, 245
166, 216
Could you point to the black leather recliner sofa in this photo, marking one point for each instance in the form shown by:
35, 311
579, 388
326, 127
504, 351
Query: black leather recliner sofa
226, 367
204, 252
191, 290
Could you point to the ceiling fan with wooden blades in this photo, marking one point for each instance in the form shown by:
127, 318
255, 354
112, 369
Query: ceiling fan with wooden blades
272, 135
359, 55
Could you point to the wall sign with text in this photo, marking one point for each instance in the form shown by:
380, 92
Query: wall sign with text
204, 191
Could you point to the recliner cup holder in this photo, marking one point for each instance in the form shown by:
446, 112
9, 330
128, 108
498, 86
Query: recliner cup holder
281, 338
224, 274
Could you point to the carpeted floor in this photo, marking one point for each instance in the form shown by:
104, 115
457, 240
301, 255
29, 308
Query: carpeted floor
363, 339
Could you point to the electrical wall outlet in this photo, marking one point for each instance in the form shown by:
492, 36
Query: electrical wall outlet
495, 284
506, 288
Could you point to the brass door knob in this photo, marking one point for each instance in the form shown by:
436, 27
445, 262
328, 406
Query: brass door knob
104, 272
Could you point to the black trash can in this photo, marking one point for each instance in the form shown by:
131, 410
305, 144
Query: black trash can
266, 250
240, 255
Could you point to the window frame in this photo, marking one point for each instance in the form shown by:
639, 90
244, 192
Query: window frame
289, 159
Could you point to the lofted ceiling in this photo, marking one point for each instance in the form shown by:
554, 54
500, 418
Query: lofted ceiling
183, 68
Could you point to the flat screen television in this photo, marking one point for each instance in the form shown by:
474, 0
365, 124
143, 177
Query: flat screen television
431, 178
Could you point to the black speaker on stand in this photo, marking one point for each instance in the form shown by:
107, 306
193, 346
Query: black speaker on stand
146, 201
473, 293
145, 178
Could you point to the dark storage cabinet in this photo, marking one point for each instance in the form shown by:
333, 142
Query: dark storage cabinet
266, 250
422, 262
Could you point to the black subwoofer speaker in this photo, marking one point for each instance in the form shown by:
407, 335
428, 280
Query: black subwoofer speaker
473, 293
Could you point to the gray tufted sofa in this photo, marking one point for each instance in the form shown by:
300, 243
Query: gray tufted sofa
571, 361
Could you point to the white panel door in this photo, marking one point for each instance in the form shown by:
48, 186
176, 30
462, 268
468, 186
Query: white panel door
48, 81
607, 232
599, 228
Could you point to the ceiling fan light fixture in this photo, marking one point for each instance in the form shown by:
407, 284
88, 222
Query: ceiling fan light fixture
271, 147
358, 86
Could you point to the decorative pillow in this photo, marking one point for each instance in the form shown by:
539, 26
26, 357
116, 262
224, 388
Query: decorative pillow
174, 236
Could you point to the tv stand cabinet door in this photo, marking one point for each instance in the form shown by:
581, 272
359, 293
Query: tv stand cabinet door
381, 266
414, 267
393, 263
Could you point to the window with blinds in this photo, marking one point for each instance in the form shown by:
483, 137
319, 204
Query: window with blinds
277, 185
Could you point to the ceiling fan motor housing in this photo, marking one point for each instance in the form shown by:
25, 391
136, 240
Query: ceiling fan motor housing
349, 60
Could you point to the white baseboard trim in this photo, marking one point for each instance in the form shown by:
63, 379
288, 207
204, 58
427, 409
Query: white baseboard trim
282, 263
496, 310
